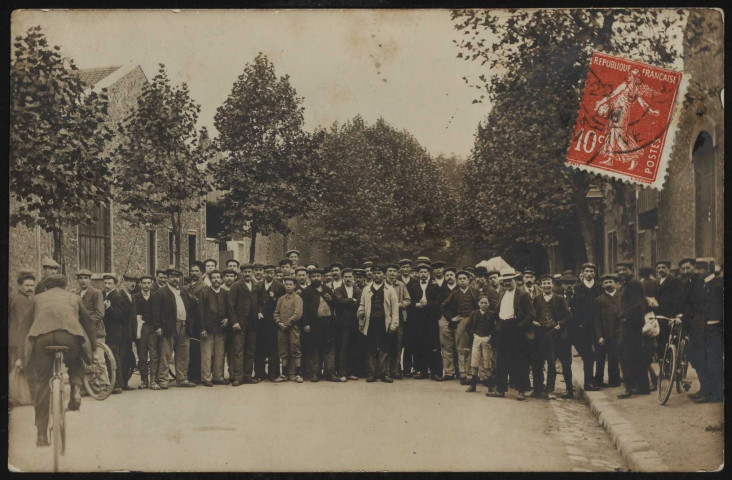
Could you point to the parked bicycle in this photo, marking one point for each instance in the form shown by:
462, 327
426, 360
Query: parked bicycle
674, 364
99, 378
57, 424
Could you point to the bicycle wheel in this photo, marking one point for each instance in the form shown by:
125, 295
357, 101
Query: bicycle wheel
99, 379
57, 413
682, 367
666, 374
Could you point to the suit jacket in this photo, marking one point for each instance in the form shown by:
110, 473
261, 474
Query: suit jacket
632, 305
268, 298
523, 310
93, 301
491, 293
116, 315
19, 307
52, 310
149, 309
670, 297
169, 310
311, 300
346, 308
130, 313
429, 312
212, 309
534, 292
606, 308
41, 286
650, 287
391, 308
581, 326
449, 305
557, 306
404, 298
244, 304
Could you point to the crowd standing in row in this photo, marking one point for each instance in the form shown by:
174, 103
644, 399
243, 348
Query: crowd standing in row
416, 319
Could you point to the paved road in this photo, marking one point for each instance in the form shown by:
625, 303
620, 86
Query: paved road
410, 425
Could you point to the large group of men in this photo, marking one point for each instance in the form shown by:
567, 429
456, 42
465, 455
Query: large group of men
418, 319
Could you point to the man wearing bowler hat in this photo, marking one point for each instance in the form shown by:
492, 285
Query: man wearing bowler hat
176, 315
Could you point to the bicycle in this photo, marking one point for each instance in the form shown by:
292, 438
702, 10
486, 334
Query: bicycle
99, 379
57, 424
674, 364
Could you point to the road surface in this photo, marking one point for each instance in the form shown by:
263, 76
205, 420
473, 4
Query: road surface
410, 425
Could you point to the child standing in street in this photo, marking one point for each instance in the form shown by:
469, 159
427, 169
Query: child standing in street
287, 315
481, 325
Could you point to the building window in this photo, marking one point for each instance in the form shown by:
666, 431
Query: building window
612, 250
152, 251
171, 248
95, 246
704, 189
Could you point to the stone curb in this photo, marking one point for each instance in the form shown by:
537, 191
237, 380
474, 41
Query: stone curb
635, 450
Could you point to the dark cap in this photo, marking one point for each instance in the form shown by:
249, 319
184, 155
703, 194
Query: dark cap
234, 260
129, 277
258, 265
109, 276
378, 268
84, 273
452, 269
569, 279
420, 266
300, 269
438, 264
315, 270
568, 271
289, 278
463, 272
287, 253
529, 270
228, 270
626, 263
609, 276
359, 272
368, 264
245, 266
544, 276
285, 261
404, 261
664, 262
26, 274
589, 265
174, 271
150, 277
310, 265
690, 260
391, 265
269, 267
335, 264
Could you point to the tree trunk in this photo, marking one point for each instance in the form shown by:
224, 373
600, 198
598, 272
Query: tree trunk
58, 248
253, 244
587, 225
176, 238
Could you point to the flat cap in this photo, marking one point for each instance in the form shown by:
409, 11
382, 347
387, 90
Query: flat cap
26, 274
452, 269
368, 264
438, 264
378, 268
229, 271
529, 270
314, 270
391, 265
269, 266
690, 260
569, 279
285, 261
300, 269
463, 272
626, 263
544, 276
609, 276
161, 270
289, 252
589, 265
174, 271
233, 260
404, 261
245, 266
144, 276
421, 266
50, 262
424, 259
310, 265
109, 276
664, 262
258, 265
359, 272
84, 272
129, 276
289, 278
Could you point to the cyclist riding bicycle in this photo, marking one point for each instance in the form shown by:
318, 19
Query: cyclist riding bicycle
57, 317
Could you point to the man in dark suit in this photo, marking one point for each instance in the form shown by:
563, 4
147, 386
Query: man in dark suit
669, 300
318, 306
456, 310
214, 316
147, 312
266, 350
350, 348
515, 313
581, 327
176, 318
128, 356
194, 289
56, 317
551, 341
161, 279
607, 330
408, 334
244, 309
424, 311
93, 301
630, 342
116, 325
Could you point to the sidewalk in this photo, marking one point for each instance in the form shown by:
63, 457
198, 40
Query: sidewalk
681, 436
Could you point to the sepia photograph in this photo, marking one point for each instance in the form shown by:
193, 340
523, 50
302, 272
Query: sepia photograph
292, 240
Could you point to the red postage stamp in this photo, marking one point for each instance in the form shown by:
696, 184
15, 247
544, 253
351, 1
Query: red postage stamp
625, 120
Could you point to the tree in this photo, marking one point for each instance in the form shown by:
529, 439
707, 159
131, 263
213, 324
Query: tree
159, 169
58, 164
538, 61
269, 170
384, 197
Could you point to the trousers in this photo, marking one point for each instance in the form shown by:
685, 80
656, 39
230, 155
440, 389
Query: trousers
482, 358
321, 346
395, 353
513, 357
632, 363
41, 363
212, 357
288, 346
448, 346
242, 353
427, 345
551, 345
266, 349
176, 345
350, 347
118, 345
607, 353
148, 346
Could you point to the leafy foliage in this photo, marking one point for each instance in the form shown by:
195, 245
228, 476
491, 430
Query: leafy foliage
537, 61
159, 168
59, 170
386, 196
270, 168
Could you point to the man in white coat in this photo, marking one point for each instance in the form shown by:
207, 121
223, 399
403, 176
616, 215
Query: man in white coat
378, 316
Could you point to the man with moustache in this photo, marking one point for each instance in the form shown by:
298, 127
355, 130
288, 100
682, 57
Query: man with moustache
456, 310
438, 273
607, 330
194, 289
129, 283
318, 305
147, 311
425, 311
20, 304
214, 316
395, 354
161, 279
630, 342
116, 325
350, 348
244, 310
529, 286
493, 279
581, 326
301, 276
408, 332
294, 256
93, 301
335, 269
670, 301
367, 265
176, 314
378, 315
230, 276
267, 332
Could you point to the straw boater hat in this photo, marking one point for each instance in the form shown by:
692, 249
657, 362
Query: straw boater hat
509, 274
287, 253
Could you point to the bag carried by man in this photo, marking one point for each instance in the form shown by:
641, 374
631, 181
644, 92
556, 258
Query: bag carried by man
18, 389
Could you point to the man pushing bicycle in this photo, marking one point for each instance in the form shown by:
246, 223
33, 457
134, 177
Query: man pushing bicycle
56, 318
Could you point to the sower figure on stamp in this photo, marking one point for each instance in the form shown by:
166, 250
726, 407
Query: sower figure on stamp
607, 330
348, 297
287, 315
176, 311
378, 315
147, 311
318, 305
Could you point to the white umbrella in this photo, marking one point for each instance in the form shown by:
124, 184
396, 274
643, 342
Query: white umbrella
495, 263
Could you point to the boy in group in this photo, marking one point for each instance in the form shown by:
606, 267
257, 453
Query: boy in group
287, 316
481, 324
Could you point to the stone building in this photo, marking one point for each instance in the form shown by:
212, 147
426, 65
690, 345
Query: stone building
686, 217
110, 244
